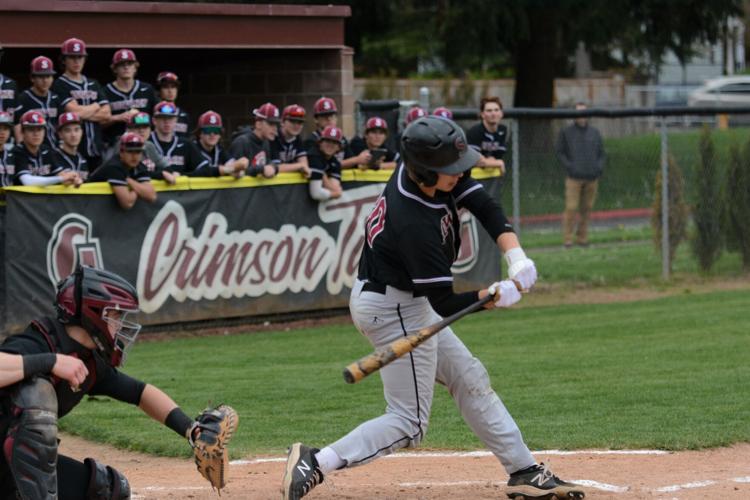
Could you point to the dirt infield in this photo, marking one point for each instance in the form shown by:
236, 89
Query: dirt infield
720, 473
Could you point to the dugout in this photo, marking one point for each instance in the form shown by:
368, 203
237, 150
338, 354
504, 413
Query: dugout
230, 57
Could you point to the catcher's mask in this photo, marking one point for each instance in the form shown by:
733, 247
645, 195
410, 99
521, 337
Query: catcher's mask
100, 301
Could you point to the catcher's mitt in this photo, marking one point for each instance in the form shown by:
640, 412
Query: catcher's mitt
209, 437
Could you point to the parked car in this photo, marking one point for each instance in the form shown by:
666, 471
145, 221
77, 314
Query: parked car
722, 91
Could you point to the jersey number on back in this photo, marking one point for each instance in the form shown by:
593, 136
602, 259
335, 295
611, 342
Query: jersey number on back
375, 222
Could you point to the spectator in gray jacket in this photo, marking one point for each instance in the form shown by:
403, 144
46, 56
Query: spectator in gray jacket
579, 148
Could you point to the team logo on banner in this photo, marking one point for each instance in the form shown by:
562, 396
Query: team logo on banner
72, 244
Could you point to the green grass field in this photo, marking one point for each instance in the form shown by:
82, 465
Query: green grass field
669, 373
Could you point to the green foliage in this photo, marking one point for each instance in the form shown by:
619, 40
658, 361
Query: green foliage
677, 208
624, 375
737, 216
707, 208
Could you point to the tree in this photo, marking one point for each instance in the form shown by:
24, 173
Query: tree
707, 211
737, 217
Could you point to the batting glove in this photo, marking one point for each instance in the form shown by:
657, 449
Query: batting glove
505, 293
520, 268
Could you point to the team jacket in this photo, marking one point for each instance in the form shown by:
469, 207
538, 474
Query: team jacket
85, 92
48, 335
140, 97
116, 173
49, 105
181, 156
41, 163
320, 165
250, 146
214, 158
8, 94
488, 143
76, 162
7, 167
284, 151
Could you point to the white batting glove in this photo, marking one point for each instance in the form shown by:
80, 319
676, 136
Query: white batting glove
520, 268
509, 294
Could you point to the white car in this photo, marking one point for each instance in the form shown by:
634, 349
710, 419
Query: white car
722, 91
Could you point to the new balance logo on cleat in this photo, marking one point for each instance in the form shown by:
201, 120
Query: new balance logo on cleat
302, 473
538, 482
303, 468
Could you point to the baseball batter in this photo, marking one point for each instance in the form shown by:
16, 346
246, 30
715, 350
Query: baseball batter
404, 284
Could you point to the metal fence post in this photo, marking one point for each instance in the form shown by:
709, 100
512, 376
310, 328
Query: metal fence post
516, 177
424, 98
665, 264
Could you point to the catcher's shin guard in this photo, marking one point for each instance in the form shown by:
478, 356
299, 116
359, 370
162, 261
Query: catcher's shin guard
106, 483
30, 445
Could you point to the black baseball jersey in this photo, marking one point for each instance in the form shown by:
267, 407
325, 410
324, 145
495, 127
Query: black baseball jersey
48, 335
182, 127
8, 94
42, 163
116, 173
75, 163
50, 106
181, 155
141, 97
255, 149
214, 159
411, 240
312, 143
320, 165
85, 92
286, 151
358, 145
488, 143
7, 166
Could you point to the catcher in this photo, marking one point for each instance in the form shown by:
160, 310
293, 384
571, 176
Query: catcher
47, 369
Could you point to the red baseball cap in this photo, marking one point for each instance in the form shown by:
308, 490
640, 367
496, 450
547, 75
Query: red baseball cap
325, 106
331, 133
42, 65
123, 55
267, 112
167, 77
376, 123
443, 112
139, 120
130, 141
67, 118
294, 112
6, 118
414, 113
210, 119
165, 108
32, 118
74, 47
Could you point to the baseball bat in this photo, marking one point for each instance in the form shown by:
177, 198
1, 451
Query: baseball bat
379, 358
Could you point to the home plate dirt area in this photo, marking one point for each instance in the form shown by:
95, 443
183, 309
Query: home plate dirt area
722, 473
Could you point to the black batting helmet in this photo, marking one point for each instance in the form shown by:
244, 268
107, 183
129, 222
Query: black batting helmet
433, 145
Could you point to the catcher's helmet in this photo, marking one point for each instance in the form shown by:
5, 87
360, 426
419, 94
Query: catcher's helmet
98, 301
432, 146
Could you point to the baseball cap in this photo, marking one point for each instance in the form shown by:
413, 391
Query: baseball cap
331, 133
131, 141
139, 120
376, 123
210, 119
267, 112
443, 112
325, 106
6, 118
294, 112
123, 55
414, 113
67, 118
167, 77
32, 118
42, 66
165, 108
73, 47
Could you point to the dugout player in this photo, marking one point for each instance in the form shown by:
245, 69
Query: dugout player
414, 113
35, 162
325, 169
405, 284
7, 155
40, 98
126, 173
443, 112
127, 96
154, 162
326, 115
8, 92
83, 96
169, 87
255, 145
67, 155
381, 156
181, 155
50, 367
287, 149
488, 136
208, 143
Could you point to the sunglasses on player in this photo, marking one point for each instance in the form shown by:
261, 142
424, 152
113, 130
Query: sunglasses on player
211, 130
